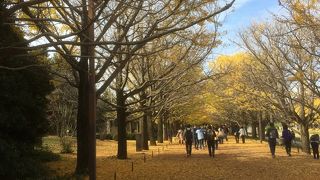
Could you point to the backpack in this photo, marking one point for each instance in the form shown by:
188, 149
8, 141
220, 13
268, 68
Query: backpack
314, 138
210, 135
188, 135
273, 133
287, 135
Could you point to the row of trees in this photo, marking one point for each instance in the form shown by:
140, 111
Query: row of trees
139, 57
277, 77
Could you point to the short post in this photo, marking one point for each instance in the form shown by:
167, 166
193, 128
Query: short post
144, 157
115, 175
138, 142
132, 166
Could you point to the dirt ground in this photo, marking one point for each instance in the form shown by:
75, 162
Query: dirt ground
251, 160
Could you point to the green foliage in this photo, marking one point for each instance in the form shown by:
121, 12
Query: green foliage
17, 164
22, 92
22, 106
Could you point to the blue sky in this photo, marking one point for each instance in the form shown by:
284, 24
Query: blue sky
243, 13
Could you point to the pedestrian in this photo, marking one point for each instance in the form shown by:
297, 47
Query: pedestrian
180, 136
200, 138
226, 132
210, 140
243, 134
188, 136
314, 141
204, 131
287, 139
237, 136
221, 135
235, 131
216, 139
272, 135
195, 138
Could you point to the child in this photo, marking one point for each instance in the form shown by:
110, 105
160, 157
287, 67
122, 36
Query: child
287, 138
314, 141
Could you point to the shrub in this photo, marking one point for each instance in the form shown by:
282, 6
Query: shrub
66, 144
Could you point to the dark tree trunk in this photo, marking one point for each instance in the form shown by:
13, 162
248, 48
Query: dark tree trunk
263, 130
83, 121
254, 130
150, 130
145, 134
165, 128
304, 130
121, 118
160, 128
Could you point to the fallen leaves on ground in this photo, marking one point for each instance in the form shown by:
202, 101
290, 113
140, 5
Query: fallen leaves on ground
251, 160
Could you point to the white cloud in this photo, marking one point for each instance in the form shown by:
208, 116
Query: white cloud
240, 3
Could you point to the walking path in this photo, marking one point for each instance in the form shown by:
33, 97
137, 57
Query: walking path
251, 160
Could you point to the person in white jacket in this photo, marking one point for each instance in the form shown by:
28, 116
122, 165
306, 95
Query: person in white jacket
243, 134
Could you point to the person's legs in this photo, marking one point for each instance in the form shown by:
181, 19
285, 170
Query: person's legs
198, 143
201, 143
286, 146
217, 143
272, 147
237, 138
212, 148
209, 147
273, 150
188, 147
289, 147
315, 150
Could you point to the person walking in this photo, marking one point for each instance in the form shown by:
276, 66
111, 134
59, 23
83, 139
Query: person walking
287, 139
216, 139
226, 132
235, 131
200, 138
237, 136
314, 141
204, 132
221, 135
210, 140
188, 136
180, 136
272, 134
195, 138
243, 134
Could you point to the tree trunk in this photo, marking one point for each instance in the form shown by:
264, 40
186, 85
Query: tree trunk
263, 130
165, 126
165, 130
121, 118
304, 131
254, 130
160, 128
150, 130
145, 134
83, 121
